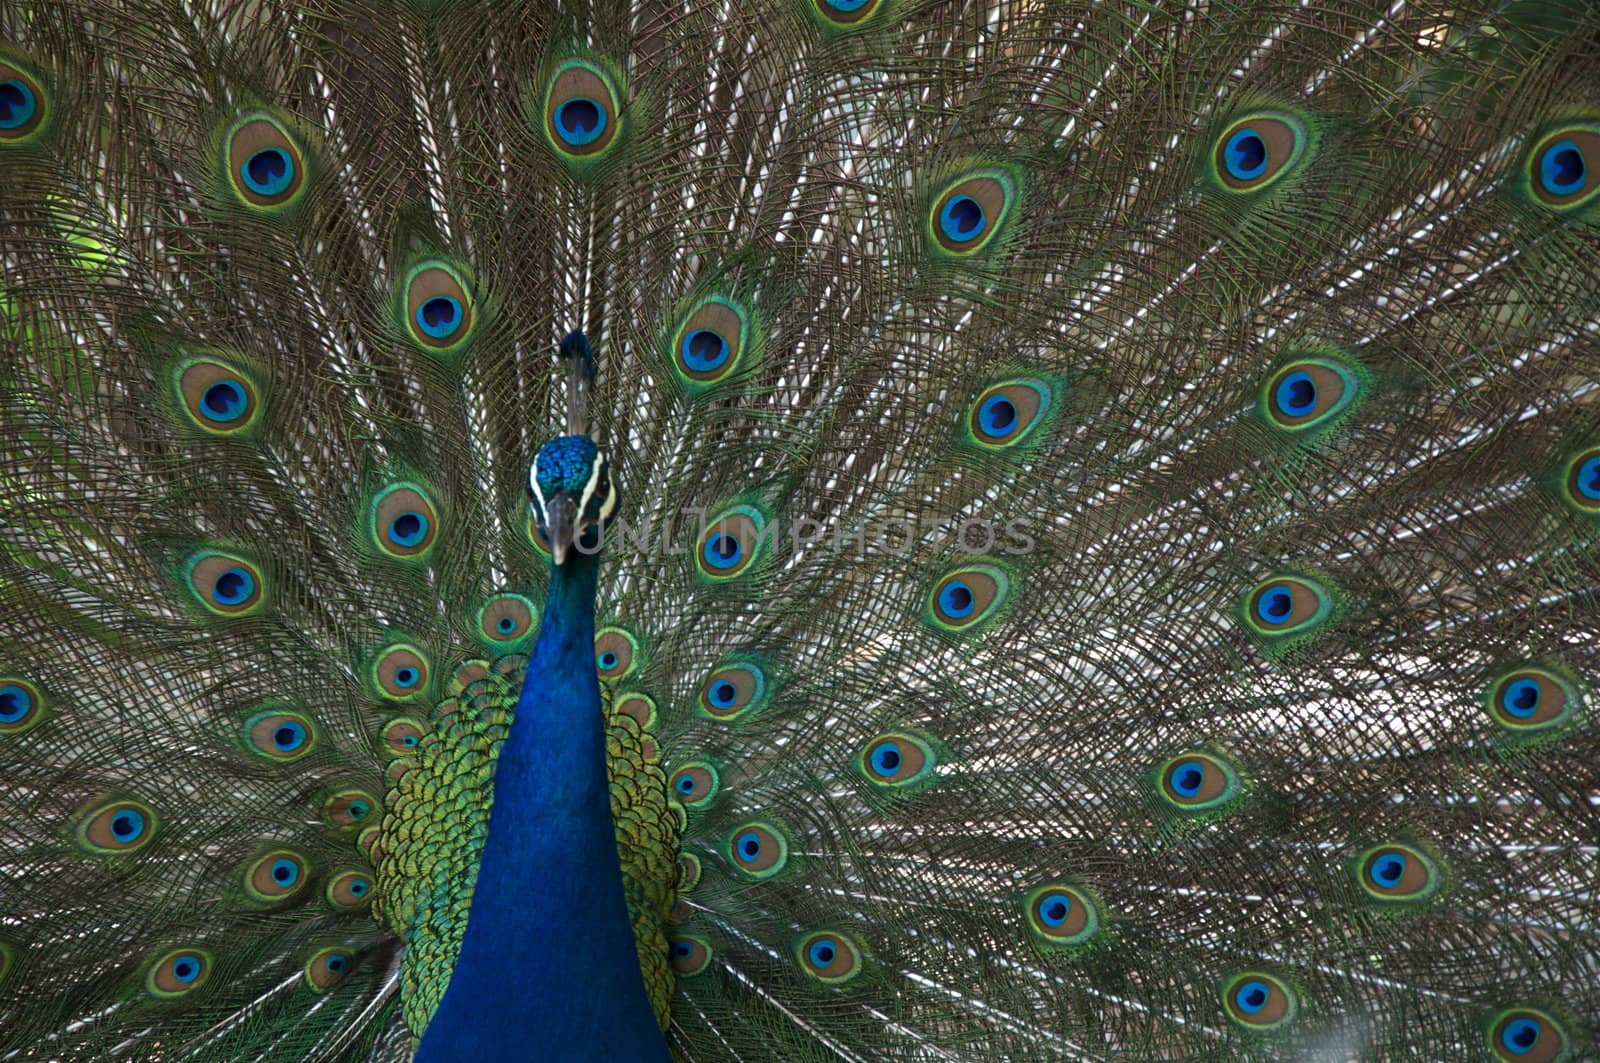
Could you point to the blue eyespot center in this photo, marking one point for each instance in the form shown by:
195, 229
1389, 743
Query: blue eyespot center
1054, 908
886, 758
289, 737
956, 600
962, 218
186, 968
358, 809
1520, 698
1251, 997
997, 415
409, 529
1187, 777
1520, 1035
608, 660
358, 887
1589, 478
337, 962
224, 401
268, 172
1388, 870
15, 703
127, 825
1562, 169
686, 785
17, 104
705, 351
1275, 605
682, 949
1297, 394
406, 677
234, 586
749, 845
439, 316
285, 872
1245, 155
822, 952
723, 550
580, 121
505, 625
846, 6
723, 693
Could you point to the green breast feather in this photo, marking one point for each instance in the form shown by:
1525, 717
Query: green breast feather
437, 817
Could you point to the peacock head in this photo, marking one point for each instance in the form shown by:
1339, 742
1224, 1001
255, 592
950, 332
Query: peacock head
573, 495
570, 482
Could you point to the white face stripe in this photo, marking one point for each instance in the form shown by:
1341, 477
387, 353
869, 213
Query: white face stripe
533, 486
609, 506
589, 488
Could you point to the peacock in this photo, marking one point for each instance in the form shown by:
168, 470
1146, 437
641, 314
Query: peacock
858, 530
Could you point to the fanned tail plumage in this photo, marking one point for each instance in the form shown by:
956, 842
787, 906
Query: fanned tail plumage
1103, 557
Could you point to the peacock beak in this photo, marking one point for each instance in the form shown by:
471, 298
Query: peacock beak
561, 518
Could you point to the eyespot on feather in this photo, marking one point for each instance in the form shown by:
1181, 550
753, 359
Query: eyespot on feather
845, 14
216, 397
695, 784
1061, 916
438, 305
402, 736
897, 760
970, 212
266, 168
731, 543
401, 672
178, 973
24, 105
689, 955
1308, 394
641, 708
1257, 1000
22, 707
226, 584
507, 618
1398, 873
350, 808
350, 890
1258, 150
327, 968
828, 956
1563, 169
966, 600
1287, 605
689, 871
757, 850
710, 341
1197, 782
1526, 1035
277, 876
403, 522
733, 690
1008, 413
116, 827
1580, 482
1531, 699
582, 114
280, 734
616, 652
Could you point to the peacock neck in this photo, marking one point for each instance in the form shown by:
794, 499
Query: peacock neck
548, 963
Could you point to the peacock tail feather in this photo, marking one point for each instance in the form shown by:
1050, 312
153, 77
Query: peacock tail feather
1106, 560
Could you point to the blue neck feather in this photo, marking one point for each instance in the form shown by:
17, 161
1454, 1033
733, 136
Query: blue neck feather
548, 967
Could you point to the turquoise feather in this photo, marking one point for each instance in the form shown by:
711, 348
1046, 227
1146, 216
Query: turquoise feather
1071, 533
